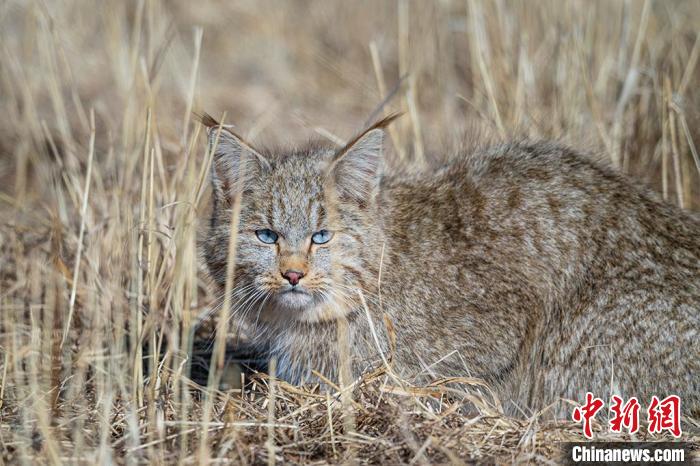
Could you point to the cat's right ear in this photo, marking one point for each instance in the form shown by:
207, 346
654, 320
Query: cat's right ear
235, 164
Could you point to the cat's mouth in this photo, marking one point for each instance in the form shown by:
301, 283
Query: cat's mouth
302, 304
295, 298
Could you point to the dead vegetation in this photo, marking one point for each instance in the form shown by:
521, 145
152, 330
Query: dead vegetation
103, 189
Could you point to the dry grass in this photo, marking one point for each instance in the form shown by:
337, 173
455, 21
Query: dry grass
103, 189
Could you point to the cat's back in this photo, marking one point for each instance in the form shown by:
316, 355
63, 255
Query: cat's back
502, 199
544, 210
542, 187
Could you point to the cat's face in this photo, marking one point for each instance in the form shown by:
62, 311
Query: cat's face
306, 239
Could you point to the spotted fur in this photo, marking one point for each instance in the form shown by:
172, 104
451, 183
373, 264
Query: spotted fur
525, 264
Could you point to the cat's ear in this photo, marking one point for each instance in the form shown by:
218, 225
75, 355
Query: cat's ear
235, 164
356, 168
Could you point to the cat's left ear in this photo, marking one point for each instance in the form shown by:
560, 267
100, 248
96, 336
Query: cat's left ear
356, 168
235, 163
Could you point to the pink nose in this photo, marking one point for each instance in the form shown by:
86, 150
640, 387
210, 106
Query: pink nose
293, 276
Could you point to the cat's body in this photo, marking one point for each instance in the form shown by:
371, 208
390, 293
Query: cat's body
526, 265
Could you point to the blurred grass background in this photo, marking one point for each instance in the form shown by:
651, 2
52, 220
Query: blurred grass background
103, 189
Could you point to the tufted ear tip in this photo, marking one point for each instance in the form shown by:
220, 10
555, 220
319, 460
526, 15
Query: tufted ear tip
386, 121
207, 120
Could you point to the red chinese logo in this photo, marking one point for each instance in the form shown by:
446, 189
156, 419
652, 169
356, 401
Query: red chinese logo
661, 415
665, 415
587, 412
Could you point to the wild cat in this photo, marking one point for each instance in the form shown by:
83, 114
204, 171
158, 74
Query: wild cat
525, 264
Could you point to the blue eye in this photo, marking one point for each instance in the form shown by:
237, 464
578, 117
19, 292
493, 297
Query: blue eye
321, 237
266, 236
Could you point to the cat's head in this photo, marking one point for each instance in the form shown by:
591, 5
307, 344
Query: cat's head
306, 237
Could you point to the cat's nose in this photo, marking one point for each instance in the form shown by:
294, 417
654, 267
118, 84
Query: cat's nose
293, 276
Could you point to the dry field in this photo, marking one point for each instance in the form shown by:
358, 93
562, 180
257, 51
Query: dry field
103, 190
